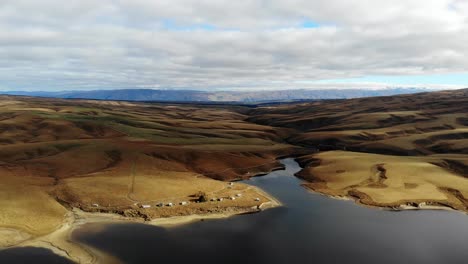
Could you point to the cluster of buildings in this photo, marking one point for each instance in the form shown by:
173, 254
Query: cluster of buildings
146, 206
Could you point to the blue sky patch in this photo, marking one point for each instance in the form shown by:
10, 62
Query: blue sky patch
310, 24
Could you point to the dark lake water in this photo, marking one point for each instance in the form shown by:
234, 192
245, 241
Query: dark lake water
29, 255
310, 228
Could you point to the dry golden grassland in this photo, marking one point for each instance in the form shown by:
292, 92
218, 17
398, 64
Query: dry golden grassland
422, 140
104, 156
385, 180
116, 156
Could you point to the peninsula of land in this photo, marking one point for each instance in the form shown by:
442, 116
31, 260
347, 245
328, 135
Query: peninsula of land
64, 163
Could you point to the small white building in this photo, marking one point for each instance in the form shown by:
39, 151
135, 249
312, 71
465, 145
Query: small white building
232, 198
231, 183
145, 206
160, 205
257, 199
170, 204
95, 205
183, 203
213, 199
220, 199
239, 194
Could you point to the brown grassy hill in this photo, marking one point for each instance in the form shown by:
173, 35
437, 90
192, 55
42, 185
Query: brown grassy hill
119, 155
35, 132
114, 156
422, 140
419, 124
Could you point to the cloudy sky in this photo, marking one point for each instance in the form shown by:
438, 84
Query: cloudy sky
225, 44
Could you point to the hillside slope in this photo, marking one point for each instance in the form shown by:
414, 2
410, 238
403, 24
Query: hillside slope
421, 139
115, 156
406, 151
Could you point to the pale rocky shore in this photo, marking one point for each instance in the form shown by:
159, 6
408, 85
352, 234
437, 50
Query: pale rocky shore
60, 241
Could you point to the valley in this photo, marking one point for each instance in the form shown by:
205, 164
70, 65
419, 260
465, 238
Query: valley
149, 161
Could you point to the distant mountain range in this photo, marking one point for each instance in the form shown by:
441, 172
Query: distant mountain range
220, 96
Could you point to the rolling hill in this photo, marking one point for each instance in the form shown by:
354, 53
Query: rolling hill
399, 152
382, 151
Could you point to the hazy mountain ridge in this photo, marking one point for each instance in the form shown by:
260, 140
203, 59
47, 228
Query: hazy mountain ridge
219, 96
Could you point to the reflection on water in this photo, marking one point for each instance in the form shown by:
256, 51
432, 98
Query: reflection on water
28, 255
310, 228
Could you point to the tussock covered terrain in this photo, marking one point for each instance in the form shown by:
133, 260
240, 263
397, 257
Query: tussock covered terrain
400, 152
383, 151
104, 156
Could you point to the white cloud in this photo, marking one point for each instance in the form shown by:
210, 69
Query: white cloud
53, 44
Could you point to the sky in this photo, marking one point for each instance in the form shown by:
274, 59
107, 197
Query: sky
53, 45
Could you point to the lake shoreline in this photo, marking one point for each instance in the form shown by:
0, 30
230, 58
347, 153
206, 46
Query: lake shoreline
60, 241
397, 207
